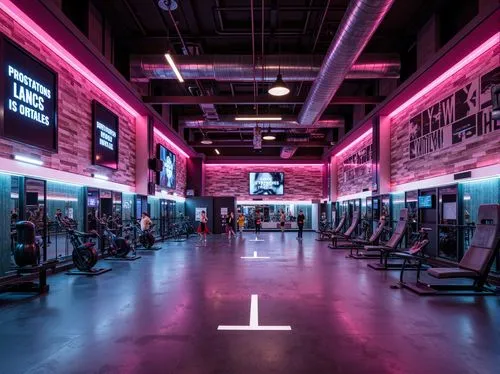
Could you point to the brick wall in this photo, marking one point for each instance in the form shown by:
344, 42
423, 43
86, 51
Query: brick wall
472, 152
180, 176
75, 95
353, 178
301, 182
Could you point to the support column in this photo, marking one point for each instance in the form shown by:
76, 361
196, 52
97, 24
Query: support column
141, 155
333, 179
384, 155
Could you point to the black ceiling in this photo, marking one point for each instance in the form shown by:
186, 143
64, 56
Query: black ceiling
290, 27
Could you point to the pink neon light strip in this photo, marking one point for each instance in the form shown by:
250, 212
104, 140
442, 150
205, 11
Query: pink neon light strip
28, 24
175, 146
490, 43
356, 141
256, 165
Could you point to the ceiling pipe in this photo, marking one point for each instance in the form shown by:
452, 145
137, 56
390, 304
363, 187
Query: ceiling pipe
239, 68
359, 23
221, 125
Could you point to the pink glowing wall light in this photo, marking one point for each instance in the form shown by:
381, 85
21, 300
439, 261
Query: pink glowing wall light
175, 146
487, 45
355, 142
257, 165
35, 30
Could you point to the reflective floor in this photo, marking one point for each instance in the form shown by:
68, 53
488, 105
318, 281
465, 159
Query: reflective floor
161, 314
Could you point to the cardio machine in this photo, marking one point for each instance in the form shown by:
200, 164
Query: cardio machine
115, 246
146, 237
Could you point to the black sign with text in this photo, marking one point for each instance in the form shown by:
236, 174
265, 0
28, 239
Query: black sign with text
358, 163
105, 139
28, 98
460, 116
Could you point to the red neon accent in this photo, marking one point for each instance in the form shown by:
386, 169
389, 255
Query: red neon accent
172, 144
35, 30
487, 45
354, 142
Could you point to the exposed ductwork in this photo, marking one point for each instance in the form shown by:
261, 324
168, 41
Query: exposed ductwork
237, 68
221, 125
357, 27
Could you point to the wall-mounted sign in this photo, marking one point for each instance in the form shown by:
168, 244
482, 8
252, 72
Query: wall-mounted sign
28, 98
460, 116
357, 164
166, 177
105, 127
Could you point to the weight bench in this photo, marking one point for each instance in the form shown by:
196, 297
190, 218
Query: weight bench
24, 282
356, 219
327, 235
475, 264
358, 244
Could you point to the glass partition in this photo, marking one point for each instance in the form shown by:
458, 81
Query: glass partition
271, 215
448, 227
9, 209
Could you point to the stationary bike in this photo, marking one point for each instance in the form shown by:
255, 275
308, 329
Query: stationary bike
118, 246
84, 254
146, 237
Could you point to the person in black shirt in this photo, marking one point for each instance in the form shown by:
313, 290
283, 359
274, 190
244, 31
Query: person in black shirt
258, 222
229, 225
300, 223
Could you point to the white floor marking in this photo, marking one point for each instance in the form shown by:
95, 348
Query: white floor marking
254, 321
256, 239
255, 256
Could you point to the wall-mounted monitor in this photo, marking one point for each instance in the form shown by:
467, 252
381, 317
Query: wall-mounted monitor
28, 98
166, 177
267, 183
426, 202
105, 126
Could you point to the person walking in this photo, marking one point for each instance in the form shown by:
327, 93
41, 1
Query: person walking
301, 218
282, 220
258, 222
229, 225
203, 227
241, 223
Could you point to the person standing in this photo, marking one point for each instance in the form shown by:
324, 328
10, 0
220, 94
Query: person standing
203, 228
229, 225
300, 223
258, 222
241, 223
282, 220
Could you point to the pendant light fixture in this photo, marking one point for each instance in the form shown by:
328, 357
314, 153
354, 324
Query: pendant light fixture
269, 135
205, 139
279, 87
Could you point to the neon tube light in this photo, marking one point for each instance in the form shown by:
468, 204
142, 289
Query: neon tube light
35, 30
175, 146
257, 165
486, 46
217, 151
174, 68
354, 142
100, 176
275, 202
257, 118
28, 160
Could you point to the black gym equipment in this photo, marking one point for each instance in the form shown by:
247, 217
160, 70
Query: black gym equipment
326, 235
146, 238
410, 256
27, 259
347, 235
116, 247
358, 244
475, 264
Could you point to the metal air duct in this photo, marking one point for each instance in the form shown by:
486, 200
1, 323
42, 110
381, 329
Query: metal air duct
357, 27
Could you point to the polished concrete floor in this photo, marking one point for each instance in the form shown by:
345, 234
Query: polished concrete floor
161, 314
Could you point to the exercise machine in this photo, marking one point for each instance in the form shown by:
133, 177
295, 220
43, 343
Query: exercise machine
327, 234
115, 247
145, 238
347, 235
358, 244
475, 265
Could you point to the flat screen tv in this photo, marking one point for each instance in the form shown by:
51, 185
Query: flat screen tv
267, 183
105, 139
28, 98
166, 177
425, 202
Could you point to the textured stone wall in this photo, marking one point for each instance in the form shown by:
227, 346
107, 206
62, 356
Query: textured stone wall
75, 95
180, 185
301, 182
472, 152
351, 178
